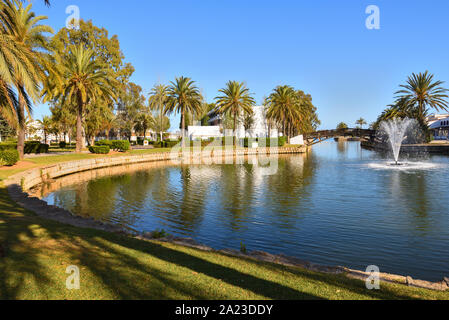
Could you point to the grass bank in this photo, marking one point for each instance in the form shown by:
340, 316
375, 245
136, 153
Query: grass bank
34, 255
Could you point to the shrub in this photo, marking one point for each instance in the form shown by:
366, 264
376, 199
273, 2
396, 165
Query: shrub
99, 149
35, 147
9, 157
63, 144
121, 145
104, 143
43, 148
8, 146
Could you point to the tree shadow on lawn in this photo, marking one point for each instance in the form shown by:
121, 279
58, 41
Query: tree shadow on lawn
18, 264
118, 267
120, 282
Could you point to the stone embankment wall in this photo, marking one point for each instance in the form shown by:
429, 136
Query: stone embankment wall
34, 177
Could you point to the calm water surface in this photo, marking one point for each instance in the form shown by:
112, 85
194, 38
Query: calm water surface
336, 206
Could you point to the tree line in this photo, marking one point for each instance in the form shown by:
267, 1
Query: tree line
82, 74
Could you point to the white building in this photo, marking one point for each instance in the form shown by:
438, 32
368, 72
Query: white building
440, 128
260, 128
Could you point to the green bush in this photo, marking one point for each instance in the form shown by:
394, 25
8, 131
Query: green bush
43, 148
63, 144
32, 147
8, 146
118, 145
121, 145
104, 143
99, 149
35, 147
9, 157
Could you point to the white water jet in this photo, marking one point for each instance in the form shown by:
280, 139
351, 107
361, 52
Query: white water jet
396, 129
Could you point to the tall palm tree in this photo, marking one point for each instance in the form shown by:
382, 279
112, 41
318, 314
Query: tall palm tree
46, 125
85, 81
284, 107
360, 123
422, 91
157, 101
236, 99
183, 97
15, 64
24, 27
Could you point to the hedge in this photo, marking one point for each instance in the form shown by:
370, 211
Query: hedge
118, 145
36, 147
99, 149
166, 144
266, 142
9, 157
8, 146
121, 145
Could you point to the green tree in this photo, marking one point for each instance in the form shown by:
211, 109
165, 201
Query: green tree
360, 123
235, 100
22, 25
161, 126
422, 91
47, 126
157, 102
131, 103
342, 125
284, 108
144, 122
183, 97
84, 80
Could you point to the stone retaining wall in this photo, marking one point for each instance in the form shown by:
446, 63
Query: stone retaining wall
34, 177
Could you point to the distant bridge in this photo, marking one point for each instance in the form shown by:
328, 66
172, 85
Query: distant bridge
323, 135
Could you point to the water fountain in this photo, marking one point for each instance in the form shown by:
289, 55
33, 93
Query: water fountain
396, 130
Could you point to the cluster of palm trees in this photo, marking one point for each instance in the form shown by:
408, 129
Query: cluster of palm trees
82, 88
416, 98
292, 110
286, 108
24, 63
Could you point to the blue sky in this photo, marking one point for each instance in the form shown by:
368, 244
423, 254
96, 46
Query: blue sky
321, 47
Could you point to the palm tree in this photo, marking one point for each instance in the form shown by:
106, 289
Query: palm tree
14, 64
157, 101
46, 125
284, 108
85, 81
23, 26
360, 123
183, 97
421, 91
143, 122
236, 99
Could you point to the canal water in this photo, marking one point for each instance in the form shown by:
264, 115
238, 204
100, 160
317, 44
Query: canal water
337, 205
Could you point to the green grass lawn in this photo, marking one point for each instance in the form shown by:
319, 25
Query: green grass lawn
35, 253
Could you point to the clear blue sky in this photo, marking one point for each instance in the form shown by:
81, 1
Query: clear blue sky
321, 47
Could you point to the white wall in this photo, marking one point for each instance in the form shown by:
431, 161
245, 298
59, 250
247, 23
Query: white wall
203, 132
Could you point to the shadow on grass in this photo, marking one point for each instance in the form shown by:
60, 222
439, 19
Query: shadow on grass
118, 267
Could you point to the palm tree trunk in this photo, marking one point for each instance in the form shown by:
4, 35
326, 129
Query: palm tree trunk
183, 125
22, 124
235, 133
162, 119
79, 129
